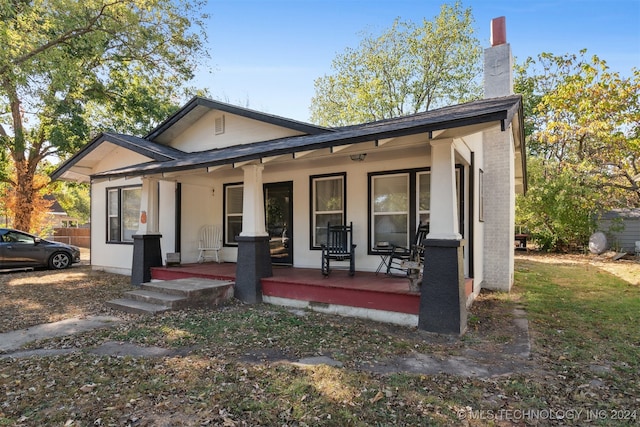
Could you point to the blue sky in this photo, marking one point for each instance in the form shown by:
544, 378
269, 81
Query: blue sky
266, 54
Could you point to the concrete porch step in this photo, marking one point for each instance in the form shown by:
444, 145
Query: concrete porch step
136, 307
158, 298
192, 287
161, 296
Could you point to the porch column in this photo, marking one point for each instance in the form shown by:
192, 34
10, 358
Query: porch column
254, 257
146, 242
442, 298
443, 220
149, 208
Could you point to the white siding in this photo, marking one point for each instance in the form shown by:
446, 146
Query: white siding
167, 217
112, 257
117, 257
201, 205
475, 144
237, 130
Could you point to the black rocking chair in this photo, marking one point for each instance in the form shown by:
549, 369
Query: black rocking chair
405, 261
339, 247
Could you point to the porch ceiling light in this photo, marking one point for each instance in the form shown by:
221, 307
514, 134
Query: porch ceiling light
358, 157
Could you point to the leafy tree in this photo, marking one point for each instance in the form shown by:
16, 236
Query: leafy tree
65, 65
587, 118
583, 128
74, 199
558, 208
407, 69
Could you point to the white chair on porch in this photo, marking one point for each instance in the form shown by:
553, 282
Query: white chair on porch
210, 240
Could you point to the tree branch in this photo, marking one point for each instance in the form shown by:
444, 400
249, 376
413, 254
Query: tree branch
63, 38
8, 181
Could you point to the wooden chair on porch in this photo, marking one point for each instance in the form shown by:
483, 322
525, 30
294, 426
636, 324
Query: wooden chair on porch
210, 240
339, 247
402, 261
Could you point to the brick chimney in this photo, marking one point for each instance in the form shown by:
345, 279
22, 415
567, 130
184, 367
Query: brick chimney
498, 62
498, 163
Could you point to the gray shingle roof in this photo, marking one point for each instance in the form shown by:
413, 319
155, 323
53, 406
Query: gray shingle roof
157, 152
484, 111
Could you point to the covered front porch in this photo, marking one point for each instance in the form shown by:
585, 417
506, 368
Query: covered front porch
384, 180
375, 296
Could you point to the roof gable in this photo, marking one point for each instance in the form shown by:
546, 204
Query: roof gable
197, 107
156, 152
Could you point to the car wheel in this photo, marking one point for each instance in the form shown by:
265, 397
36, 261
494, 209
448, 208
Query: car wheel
59, 260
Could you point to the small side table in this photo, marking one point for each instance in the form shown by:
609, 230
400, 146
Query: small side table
384, 251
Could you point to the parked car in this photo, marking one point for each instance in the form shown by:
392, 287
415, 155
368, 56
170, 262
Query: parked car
19, 249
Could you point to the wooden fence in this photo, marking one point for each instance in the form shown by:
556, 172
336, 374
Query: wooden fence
74, 236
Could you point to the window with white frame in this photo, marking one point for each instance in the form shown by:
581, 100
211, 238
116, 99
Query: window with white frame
328, 205
233, 194
123, 209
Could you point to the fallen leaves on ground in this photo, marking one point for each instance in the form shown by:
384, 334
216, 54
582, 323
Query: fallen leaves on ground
44, 296
237, 371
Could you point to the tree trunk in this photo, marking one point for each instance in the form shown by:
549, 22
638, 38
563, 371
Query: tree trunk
24, 188
24, 192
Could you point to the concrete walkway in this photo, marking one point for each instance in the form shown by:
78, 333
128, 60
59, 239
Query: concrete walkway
11, 343
470, 363
15, 340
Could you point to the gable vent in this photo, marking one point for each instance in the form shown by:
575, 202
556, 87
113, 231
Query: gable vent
219, 125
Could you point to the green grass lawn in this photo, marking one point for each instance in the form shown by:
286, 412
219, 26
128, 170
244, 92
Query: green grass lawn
586, 329
588, 315
585, 326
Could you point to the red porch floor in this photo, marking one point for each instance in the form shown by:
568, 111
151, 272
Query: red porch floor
363, 290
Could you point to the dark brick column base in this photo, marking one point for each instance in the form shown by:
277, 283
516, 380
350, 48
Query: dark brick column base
443, 300
254, 263
146, 254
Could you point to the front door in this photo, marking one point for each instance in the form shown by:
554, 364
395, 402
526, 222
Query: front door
278, 200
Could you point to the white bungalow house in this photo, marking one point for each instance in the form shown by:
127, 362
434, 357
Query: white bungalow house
457, 168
